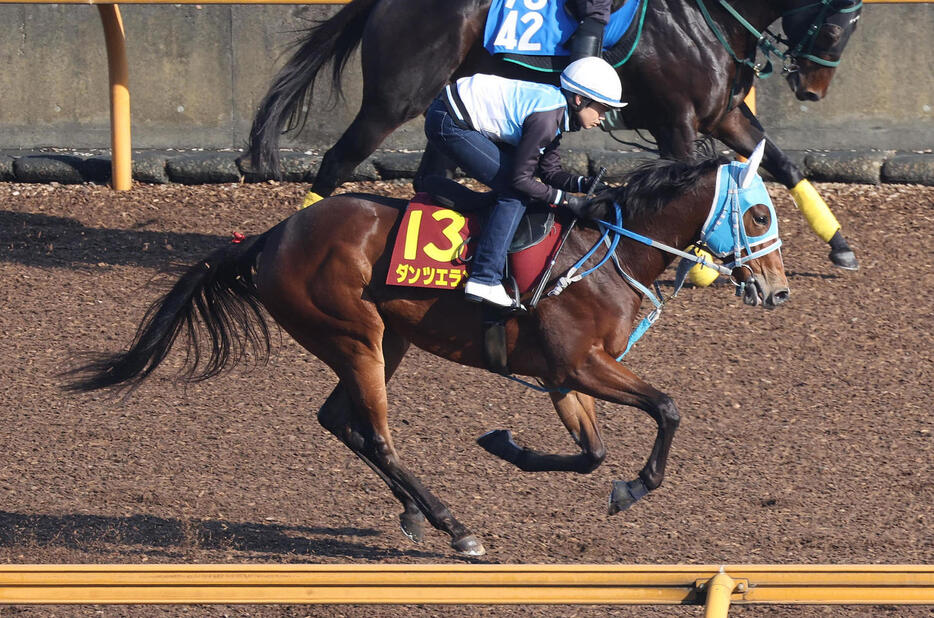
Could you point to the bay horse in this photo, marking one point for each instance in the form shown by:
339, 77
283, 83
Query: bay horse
321, 274
689, 74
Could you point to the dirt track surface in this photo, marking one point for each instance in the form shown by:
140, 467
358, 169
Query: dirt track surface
806, 436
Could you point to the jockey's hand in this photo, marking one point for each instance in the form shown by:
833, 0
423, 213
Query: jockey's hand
578, 204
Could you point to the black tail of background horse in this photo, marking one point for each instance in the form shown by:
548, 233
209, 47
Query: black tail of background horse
220, 291
333, 41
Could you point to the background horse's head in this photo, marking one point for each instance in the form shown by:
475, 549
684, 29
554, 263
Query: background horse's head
817, 31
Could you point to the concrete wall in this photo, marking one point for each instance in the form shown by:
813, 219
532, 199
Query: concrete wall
197, 73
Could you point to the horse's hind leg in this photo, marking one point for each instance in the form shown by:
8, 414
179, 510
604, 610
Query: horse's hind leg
356, 412
336, 416
576, 411
362, 137
401, 75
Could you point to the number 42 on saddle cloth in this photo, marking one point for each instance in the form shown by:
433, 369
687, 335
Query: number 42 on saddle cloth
543, 27
434, 244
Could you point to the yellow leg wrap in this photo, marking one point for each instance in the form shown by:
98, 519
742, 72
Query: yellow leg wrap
815, 210
701, 276
310, 199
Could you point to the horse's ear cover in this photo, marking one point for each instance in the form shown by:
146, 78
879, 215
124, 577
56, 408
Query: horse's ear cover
752, 166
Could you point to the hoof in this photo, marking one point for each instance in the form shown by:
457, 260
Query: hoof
499, 442
413, 526
494, 437
468, 546
845, 259
624, 495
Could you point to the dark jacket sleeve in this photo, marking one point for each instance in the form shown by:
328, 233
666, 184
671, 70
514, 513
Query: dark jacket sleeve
537, 154
553, 175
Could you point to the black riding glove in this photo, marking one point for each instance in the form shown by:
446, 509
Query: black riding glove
577, 204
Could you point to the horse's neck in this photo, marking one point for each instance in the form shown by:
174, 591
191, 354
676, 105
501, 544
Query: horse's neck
677, 225
760, 14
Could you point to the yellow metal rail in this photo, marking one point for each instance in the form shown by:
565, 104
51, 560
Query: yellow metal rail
717, 587
115, 39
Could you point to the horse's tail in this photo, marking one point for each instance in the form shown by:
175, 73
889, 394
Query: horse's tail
283, 108
221, 292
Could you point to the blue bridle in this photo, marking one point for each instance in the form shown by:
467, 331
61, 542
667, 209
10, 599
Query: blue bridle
739, 188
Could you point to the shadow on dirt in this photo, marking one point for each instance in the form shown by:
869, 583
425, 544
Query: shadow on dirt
157, 536
47, 241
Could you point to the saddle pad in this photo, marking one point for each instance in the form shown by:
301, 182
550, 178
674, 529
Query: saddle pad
616, 55
433, 246
541, 27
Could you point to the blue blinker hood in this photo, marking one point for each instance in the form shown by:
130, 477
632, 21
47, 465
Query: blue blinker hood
723, 232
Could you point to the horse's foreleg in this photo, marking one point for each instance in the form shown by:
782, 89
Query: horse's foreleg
576, 411
741, 131
606, 379
676, 139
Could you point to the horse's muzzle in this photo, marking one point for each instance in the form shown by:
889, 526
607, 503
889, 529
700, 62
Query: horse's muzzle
802, 92
776, 298
754, 294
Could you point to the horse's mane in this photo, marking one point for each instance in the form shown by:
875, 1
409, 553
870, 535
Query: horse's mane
647, 189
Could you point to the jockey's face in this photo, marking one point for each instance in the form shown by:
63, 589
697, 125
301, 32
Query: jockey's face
592, 114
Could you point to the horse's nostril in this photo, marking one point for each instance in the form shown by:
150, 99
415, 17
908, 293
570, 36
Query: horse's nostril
780, 296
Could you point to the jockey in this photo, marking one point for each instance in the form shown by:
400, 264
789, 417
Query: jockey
593, 16
504, 132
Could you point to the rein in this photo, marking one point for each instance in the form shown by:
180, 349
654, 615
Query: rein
764, 39
612, 233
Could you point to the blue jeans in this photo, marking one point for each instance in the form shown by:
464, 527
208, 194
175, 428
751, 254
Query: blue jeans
491, 164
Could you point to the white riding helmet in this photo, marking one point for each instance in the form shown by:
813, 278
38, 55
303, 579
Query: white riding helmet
593, 78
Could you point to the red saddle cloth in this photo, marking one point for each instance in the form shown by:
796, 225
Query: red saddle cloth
434, 244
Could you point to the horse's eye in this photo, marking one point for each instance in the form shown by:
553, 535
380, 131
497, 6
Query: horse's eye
829, 35
760, 219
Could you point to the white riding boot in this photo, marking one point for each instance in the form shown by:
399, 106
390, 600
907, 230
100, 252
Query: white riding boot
493, 294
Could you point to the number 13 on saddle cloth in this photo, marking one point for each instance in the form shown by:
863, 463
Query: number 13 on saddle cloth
434, 245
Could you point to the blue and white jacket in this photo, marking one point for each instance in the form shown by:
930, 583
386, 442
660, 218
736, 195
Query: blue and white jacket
528, 116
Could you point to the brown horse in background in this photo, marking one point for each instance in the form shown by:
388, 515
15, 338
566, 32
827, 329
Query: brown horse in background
321, 275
